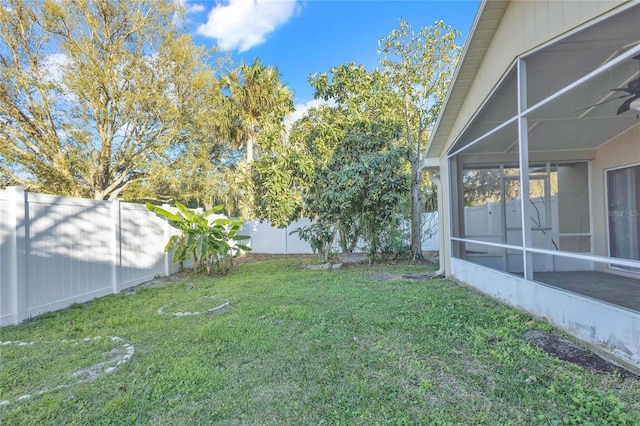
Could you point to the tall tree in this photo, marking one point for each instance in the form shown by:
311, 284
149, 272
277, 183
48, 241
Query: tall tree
256, 99
339, 165
419, 66
284, 179
362, 184
360, 94
94, 92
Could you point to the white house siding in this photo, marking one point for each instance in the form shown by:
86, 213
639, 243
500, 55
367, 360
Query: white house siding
620, 152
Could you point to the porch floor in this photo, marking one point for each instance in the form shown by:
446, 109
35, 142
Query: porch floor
614, 289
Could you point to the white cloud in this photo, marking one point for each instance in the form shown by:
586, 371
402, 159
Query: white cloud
54, 66
189, 9
243, 24
301, 110
195, 8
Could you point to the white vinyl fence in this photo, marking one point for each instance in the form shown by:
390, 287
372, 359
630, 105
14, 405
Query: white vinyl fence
269, 240
56, 251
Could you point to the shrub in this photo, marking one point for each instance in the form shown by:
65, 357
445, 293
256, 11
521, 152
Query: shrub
211, 244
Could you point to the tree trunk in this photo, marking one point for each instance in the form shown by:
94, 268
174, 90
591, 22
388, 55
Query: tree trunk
416, 212
250, 149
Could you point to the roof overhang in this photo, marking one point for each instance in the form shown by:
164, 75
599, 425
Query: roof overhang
567, 122
483, 29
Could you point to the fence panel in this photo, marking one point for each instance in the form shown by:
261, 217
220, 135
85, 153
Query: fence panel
6, 290
70, 245
266, 239
55, 251
294, 245
430, 226
143, 236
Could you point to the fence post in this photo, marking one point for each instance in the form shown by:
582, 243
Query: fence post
18, 263
116, 253
286, 239
167, 254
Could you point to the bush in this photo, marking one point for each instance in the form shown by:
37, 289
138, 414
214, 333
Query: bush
211, 244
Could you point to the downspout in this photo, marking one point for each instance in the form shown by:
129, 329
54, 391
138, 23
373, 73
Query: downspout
436, 180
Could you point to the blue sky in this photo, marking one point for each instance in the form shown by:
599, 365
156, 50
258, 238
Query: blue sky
304, 37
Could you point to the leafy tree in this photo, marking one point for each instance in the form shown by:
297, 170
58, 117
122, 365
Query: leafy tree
202, 176
94, 94
419, 66
339, 164
361, 96
279, 179
363, 183
284, 178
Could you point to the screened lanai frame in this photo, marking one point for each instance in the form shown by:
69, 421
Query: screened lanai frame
467, 150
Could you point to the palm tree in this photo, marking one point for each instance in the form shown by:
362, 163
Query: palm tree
255, 98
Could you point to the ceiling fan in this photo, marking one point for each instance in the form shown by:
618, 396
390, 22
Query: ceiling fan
632, 92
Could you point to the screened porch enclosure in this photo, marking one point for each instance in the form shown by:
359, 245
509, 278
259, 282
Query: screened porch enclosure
545, 180
492, 213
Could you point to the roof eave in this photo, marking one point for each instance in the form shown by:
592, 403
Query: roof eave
484, 26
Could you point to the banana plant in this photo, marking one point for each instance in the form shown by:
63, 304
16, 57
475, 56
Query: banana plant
211, 244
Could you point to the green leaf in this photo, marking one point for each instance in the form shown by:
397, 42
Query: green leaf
213, 210
164, 213
172, 241
187, 212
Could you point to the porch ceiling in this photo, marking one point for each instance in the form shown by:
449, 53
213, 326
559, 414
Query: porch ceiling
567, 123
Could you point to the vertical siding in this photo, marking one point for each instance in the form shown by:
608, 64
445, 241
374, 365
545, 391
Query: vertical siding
6, 292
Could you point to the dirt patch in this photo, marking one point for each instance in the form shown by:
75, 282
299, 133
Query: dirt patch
570, 352
322, 266
260, 257
352, 257
390, 276
384, 276
185, 276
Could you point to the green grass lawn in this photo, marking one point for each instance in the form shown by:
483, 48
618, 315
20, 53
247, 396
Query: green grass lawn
299, 347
